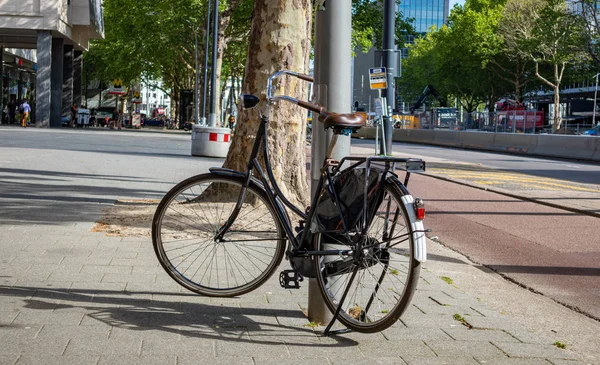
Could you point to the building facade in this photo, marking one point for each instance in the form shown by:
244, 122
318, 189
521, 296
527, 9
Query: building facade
426, 14
41, 43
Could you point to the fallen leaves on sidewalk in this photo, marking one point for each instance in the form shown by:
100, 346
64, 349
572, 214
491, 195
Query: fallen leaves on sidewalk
128, 218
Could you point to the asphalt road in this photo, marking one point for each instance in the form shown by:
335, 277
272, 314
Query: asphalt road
548, 250
574, 171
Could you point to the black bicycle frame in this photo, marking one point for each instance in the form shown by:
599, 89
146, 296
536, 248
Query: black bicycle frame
274, 194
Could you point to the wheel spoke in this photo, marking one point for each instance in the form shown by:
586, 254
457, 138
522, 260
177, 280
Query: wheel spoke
186, 243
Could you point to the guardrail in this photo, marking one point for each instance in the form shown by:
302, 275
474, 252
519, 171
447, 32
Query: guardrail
564, 146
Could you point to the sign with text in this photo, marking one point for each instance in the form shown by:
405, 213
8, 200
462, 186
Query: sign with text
117, 87
378, 78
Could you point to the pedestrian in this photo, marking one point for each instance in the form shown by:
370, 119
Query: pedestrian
115, 118
74, 116
12, 110
24, 109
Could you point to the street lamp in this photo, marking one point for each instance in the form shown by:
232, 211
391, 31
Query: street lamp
595, 97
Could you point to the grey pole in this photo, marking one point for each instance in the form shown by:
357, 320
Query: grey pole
333, 28
197, 83
212, 116
595, 97
389, 62
203, 118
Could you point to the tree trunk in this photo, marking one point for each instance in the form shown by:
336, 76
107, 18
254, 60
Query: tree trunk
224, 20
280, 39
557, 117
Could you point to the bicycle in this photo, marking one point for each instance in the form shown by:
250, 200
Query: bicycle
224, 233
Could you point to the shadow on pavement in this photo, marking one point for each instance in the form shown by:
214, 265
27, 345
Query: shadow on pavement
193, 320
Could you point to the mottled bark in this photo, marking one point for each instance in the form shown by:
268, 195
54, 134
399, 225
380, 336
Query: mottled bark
280, 39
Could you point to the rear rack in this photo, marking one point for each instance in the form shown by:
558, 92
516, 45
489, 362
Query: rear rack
410, 164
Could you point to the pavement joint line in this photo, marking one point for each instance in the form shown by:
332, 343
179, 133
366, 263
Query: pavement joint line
515, 196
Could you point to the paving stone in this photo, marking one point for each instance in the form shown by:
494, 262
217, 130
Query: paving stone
141, 360
162, 333
9, 359
76, 277
58, 360
425, 334
17, 345
225, 360
47, 317
133, 262
440, 360
379, 360
570, 362
128, 278
396, 348
50, 332
232, 347
514, 361
534, 350
200, 347
7, 317
105, 347
480, 349
464, 334
106, 269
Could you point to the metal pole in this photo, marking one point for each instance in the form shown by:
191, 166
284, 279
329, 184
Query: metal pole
595, 97
212, 116
333, 28
389, 48
197, 84
203, 117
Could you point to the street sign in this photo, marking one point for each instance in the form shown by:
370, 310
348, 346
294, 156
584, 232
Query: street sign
117, 87
378, 107
378, 78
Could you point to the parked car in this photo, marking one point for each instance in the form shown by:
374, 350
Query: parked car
593, 132
99, 115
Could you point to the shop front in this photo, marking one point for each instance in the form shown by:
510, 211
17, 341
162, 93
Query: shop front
18, 84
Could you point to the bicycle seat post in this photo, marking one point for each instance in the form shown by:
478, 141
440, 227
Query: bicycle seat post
331, 147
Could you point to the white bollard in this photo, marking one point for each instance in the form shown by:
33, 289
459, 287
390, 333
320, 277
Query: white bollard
210, 141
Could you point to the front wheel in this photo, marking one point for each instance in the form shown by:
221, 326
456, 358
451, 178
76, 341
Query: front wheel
187, 237
376, 282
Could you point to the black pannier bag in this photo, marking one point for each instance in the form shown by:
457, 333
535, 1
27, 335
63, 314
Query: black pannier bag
349, 186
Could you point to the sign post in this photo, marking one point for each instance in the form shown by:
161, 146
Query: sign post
378, 81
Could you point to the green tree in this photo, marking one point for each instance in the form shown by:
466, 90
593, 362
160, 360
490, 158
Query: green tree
367, 25
588, 16
544, 31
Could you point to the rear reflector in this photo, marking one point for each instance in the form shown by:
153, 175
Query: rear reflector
419, 208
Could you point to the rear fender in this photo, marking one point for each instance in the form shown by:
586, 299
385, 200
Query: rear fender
420, 241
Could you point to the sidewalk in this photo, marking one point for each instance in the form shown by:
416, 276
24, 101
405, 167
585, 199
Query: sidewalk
72, 296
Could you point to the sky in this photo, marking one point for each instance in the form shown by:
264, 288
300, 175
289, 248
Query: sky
452, 2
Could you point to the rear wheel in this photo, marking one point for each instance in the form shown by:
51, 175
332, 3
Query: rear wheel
186, 240
375, 283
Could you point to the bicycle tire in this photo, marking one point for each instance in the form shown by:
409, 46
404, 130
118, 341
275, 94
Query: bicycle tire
184, 228
372, 306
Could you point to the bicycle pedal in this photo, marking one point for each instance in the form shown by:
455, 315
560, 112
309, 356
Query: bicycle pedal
290, 279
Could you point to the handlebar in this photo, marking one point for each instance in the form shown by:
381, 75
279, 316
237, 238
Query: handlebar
306, 105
